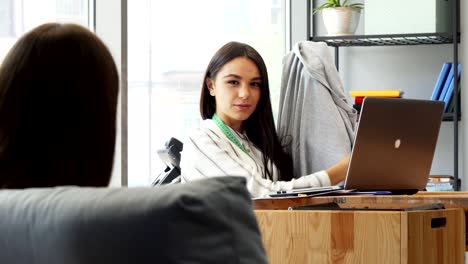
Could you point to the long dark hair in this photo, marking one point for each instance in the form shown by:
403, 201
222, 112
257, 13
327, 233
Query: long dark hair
58, 100
260, 126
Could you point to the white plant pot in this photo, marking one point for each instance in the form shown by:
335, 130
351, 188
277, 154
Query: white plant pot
341, 21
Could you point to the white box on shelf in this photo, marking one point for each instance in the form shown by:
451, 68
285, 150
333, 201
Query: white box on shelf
407, 17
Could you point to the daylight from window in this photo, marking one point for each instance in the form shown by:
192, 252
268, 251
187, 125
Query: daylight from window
169, 46
20, 16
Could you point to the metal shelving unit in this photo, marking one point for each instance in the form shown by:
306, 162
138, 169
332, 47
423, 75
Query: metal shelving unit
449, 116
387, 40
452, 38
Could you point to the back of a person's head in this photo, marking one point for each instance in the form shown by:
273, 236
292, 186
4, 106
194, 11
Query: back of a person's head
58, 101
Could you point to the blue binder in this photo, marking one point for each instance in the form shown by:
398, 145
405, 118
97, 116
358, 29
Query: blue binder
446, 67
450, 89
448, 80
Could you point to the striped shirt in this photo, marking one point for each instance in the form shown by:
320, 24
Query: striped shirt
209, 153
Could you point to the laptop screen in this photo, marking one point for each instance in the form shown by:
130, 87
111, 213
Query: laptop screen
394, 144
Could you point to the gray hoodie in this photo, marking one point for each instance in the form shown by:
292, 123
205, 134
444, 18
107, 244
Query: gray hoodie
315, 122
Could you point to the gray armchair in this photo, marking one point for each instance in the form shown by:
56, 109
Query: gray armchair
209, 221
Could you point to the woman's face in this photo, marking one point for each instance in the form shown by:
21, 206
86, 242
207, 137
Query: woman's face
236, 89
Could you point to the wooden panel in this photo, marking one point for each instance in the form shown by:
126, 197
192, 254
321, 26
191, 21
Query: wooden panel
436, 236
404, 254
363, 236
330, 237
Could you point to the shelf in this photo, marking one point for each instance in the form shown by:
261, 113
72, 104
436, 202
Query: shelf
387, 40
452, 38
449, 117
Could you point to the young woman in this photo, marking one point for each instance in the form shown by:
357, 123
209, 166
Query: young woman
237, 136
58, 102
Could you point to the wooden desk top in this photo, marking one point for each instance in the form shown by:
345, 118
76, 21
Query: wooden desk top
449, 199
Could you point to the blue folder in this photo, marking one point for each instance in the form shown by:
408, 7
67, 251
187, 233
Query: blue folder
446, 67
449, 93
446, 84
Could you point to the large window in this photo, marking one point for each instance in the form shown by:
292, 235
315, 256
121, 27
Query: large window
169, 46
20, 16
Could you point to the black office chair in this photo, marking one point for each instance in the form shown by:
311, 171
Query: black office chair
170, 155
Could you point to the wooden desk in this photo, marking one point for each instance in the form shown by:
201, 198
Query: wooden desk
449, 199
432, 236
287, 248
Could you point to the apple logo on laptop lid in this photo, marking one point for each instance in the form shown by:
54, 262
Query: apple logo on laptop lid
397, 143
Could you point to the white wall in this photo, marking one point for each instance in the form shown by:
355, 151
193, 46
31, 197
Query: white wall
413, 69
298, 21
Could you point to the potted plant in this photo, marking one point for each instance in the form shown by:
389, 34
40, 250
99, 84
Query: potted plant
340, 18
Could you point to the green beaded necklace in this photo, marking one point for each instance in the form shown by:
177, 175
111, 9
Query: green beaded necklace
228, 133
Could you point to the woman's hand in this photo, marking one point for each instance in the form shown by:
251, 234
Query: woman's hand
337, 172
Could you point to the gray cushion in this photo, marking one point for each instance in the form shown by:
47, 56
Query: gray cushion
208, 221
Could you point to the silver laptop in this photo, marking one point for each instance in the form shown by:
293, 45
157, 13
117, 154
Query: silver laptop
394, 145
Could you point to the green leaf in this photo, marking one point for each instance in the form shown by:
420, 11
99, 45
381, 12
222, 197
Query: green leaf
337, 3
323, 6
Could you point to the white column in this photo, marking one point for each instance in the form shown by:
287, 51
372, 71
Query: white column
111, 27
